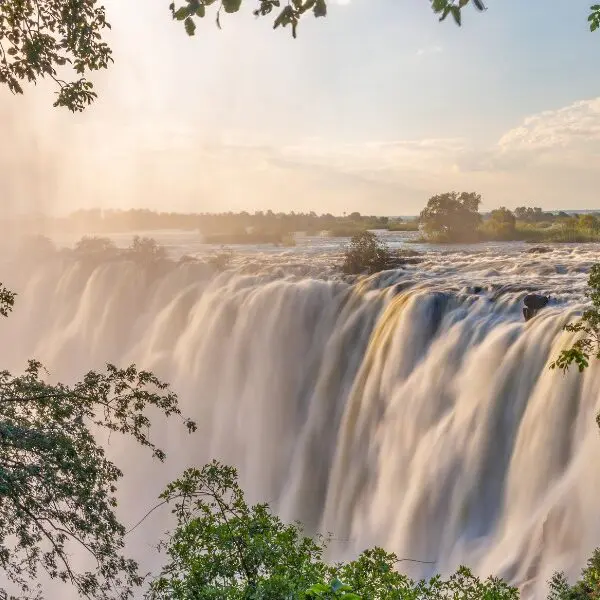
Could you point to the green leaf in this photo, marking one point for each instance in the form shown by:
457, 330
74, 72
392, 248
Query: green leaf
231, 6
456, 14
181, 13
201, 11
190, 26
320, 8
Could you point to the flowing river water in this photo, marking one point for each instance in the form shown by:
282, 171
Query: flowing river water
414, 409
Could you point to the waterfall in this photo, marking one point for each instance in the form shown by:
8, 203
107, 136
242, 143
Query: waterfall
422, 418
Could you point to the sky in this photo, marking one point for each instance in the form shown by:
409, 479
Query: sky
373, 109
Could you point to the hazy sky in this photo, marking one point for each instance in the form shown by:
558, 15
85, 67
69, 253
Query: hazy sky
373, 109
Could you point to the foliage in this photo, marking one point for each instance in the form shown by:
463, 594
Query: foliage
56, 39
501, 225
52, 39
588, 326
95, 247
146, 250
223, 548
7, 301
587, 588
335, 589
57, 488
366, 254
452, 217
454, 8
290, 14
594, 17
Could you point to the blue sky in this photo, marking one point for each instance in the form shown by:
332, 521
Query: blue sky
373, 109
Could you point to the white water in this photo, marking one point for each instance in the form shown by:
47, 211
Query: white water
421, 416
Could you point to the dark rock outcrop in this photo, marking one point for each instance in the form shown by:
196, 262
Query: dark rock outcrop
533, 304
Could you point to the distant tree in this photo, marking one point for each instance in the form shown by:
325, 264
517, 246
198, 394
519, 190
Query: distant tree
354, 216
501, 225
95, 247
532, 214
588, 221
366, 253
146, 249
452, 217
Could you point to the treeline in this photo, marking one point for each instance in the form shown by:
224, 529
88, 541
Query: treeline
448, 217
226, 228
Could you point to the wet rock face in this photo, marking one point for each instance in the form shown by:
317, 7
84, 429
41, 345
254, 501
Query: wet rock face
536, 301
533, 304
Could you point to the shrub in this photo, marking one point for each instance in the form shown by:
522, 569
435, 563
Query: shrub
95, 247
366, 254
145, 249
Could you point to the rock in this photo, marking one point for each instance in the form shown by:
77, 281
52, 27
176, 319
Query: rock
536, 301
533, 304
539, 250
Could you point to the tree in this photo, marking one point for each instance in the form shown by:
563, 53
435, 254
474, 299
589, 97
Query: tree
48, 38
501, 225
587, 588
452, 217
588, 221
146, 250
224, 548
588, 326
366, 253
93, 247
57, 488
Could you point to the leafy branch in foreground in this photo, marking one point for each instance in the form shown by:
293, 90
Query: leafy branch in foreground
46, 38
224, 548
57, 488
7, 301
50, 38
588, 345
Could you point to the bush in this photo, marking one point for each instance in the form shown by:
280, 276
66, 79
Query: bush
145, 249
95, 247
366, 254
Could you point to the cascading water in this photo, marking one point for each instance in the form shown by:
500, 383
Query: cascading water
412, 410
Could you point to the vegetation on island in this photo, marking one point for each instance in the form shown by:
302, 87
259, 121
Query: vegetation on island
450, 217
454, 218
